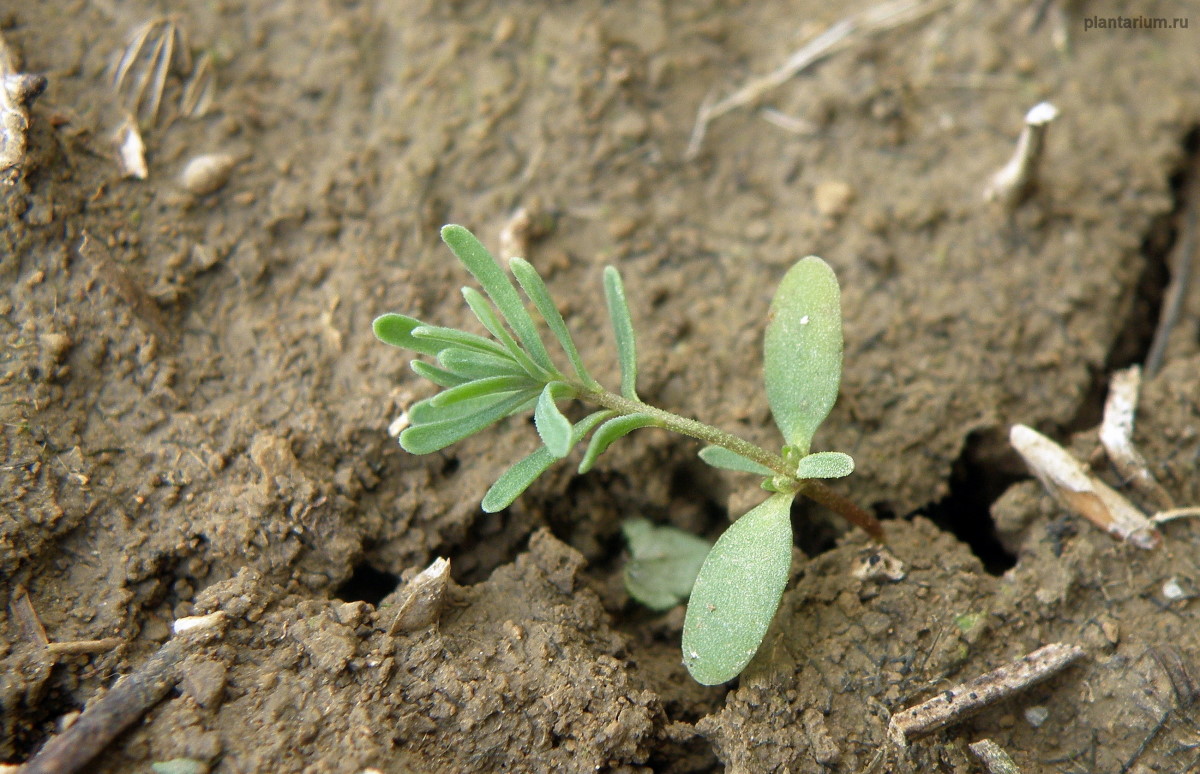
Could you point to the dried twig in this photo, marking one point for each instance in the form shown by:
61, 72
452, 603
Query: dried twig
1069, 482
993, 757
882, 17
17, 92
1181, 278
116, 277
130, 698
966, 699
1017, 179
1116, 435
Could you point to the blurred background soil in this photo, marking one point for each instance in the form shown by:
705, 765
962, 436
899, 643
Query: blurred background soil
195, 415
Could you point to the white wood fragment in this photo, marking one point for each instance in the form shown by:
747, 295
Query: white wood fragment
197, 622
1016, 179
1116, 435
423, 597
131, 151
1069, 482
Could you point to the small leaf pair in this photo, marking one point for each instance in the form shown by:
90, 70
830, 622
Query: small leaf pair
738, 588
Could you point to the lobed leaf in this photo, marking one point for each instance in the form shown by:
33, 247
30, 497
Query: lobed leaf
436, 435
479, 388
426, 411
618, 310
478, 365
452, 337
486, 314
611, 431
397, 329
802, 360
737, 592
720, 457
531, 282
552, 426
829, 464
663, 563
439, 376
517, 479
499, 288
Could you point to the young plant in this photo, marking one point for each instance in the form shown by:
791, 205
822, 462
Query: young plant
485, 379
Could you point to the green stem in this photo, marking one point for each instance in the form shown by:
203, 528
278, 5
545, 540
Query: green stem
691, 428
811, 488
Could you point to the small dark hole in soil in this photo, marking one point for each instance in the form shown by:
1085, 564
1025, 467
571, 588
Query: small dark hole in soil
39, 723
367, 584
985, 469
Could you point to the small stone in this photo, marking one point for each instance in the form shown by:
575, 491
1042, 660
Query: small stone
207, 173
833, 197
1036, 716
204, 680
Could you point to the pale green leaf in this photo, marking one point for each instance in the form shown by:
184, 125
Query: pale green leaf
552, 426
517, 479
622, 322
397, 330
499, 288
486, 314
737, 592
430, 437
480, 387
720, 457
663, 563
452, 337
802, 360
531, 282
439, 376
427, 411
611, 431
825, 465
478, 365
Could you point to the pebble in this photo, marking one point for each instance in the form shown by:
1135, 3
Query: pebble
833, 197
207, 173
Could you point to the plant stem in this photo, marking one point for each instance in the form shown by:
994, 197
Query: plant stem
812, 488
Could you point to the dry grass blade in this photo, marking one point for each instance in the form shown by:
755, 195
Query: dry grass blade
200, 89
882, 17
155, 50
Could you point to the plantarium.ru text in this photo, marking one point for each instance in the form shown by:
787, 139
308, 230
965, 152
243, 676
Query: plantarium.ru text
485, 379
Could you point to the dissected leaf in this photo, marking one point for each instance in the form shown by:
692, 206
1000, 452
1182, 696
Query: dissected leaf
517, 479
425, 412
802, 361
611, 431
829, 464
439, 376
452, 337
430, 437
720, 457
396, 329
480, 387
478, 365
618, 310
552, 426
499, 288
535, 288
486, 314
737, 592
663, 563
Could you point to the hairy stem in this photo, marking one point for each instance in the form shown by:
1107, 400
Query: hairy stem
812, 488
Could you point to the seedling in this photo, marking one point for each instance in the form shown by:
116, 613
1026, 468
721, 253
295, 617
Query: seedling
486, 379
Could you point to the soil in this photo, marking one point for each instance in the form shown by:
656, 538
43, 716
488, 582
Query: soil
196, 415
